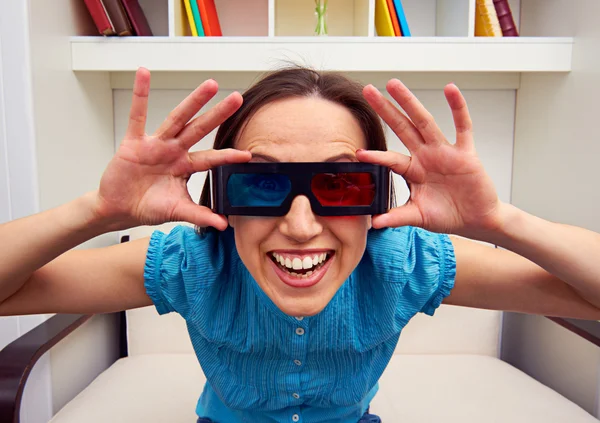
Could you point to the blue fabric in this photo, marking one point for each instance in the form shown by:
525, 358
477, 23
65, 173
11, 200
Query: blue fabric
253, 355
366, 418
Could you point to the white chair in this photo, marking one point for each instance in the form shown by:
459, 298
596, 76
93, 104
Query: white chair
445, 369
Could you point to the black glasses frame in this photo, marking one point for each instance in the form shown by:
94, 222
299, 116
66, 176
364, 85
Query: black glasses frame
300, 176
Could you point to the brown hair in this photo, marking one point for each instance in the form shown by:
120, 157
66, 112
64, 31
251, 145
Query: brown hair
300, 82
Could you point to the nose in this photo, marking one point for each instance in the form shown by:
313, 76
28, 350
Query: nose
300, 223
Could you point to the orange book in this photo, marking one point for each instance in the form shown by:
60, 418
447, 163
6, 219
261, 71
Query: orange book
394, 18
210, 19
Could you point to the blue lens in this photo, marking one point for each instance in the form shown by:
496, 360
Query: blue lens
257, 189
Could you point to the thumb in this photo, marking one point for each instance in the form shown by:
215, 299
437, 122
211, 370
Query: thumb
199, 215
406, 215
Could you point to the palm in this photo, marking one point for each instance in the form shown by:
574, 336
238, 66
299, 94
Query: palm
450, 189
450, 192
146, 181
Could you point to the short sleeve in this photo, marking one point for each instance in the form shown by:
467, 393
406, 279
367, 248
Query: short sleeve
180, 268
419, 265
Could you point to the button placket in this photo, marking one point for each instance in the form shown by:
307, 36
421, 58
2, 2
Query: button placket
299, 342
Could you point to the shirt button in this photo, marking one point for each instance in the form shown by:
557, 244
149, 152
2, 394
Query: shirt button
295, 395
299, 331
297, 362
300, 318
295, 417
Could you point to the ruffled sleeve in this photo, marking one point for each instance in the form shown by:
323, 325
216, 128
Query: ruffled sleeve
418, 268
180, 268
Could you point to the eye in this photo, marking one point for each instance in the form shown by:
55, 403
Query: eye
271, 188
335, 181
268, 183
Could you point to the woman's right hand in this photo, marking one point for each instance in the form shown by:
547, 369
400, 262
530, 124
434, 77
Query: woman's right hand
146, 181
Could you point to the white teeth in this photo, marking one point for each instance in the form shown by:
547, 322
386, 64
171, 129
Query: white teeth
310, 272
307, 263
296, 263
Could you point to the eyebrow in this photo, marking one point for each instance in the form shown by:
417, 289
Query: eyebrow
272, 159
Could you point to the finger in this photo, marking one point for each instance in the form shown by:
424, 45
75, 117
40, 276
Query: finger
399, 163
204, 160
417, 113
139, 104
186, 110
406, 215
203, 124
199, 215
400, 124
461, 116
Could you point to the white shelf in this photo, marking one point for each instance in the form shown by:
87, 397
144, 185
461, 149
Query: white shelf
359, 54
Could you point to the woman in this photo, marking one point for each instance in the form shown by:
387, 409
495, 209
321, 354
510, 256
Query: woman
275, 342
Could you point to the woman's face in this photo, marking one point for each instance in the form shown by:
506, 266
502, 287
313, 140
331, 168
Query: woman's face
307, 129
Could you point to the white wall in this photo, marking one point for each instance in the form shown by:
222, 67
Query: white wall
18, 179
74, 142
556, 176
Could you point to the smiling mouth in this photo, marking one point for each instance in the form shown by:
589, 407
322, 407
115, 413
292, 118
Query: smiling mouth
301, 266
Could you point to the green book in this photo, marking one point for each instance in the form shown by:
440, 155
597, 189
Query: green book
197, 18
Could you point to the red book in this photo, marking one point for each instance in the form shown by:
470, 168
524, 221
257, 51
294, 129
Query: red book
210, 19
394, 17
507, 23
100, 17
137, 18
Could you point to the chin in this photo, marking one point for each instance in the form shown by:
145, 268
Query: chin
304, 307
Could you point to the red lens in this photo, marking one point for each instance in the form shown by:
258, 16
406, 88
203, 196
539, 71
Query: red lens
344, 189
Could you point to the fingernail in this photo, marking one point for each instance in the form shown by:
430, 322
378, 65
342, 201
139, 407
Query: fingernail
360, 150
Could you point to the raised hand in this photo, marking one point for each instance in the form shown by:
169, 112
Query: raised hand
450, 192
146, 181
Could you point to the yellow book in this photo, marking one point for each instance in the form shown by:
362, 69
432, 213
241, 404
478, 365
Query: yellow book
190, 16
383, 21
486, 19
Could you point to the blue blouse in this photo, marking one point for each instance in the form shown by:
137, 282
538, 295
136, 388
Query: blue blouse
265, 366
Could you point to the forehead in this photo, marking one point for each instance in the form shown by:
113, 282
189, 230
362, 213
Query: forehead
302, 129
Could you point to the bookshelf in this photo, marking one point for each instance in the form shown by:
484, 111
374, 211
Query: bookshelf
259, 35
352, 54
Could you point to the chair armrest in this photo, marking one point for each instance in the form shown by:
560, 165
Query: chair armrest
18, 358
587, 329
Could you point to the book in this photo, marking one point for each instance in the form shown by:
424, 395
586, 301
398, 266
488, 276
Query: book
190, 17
505, 17
394, 18
197, 19
383, 21
137, 18
100, 17
402, 21
486, 19
210, 18
118, 17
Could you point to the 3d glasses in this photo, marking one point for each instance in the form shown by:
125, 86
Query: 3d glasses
268, 189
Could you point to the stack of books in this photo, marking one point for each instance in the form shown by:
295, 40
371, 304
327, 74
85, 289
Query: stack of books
493, 18
119, 17
390, 19
203, 19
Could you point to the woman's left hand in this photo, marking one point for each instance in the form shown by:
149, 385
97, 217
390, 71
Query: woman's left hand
450, 192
